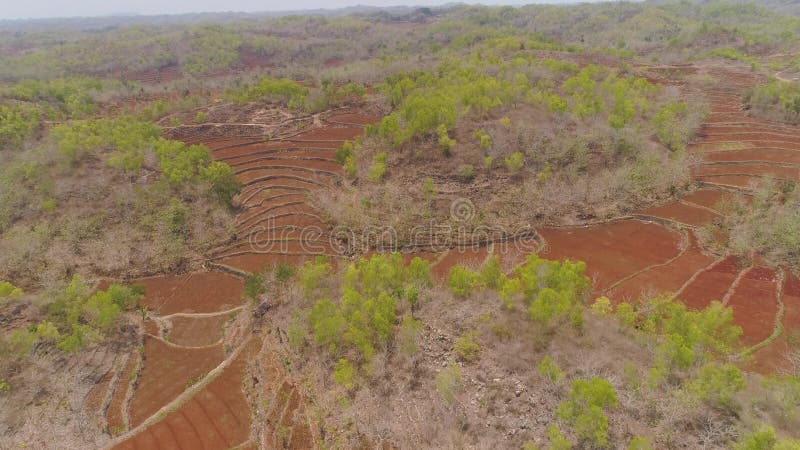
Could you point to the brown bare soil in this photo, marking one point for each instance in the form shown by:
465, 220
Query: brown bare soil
668, 278
166, 372
468, 257
216, 418
754, 305
613, 250
711, 284
116, 414
201, 292
681, 212
197, 331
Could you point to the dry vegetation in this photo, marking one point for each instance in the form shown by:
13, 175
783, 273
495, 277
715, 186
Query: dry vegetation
478, 364
535, 115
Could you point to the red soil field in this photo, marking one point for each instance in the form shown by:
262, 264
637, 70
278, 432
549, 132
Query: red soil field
710, 198
201, 292
216, 418
280, 173
679, 212
755, 154
468, 257
256, 263
754, 305
324, 165
739, 181
166, 372
612, 250
712, 284
197, 331
328, 134
747, 169
664, 279
773, 358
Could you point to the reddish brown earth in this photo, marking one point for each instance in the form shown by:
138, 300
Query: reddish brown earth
116, 414
754, 305
613, 250
200, 292
668, 278
216, 418
683, 213
166, 372
468, 257
713, 283
197, 331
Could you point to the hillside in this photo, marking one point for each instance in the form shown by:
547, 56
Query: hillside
469, 227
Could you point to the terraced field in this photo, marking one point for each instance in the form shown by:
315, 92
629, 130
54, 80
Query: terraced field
187, 388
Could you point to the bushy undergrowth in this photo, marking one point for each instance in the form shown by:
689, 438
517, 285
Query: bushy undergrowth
378, 327
588, 153
364, 319
776, 100
75, 317
768, 225
100, 194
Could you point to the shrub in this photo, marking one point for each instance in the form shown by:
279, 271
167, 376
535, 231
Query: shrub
222, 179
254, 286
484, 140
466, 172
9, 290
461, 281
584, 409
365, 317
350, 168
602, 306
670, 125
82, 318
446, 143
284, 91
491, 274
557, 439
312, 277
17, 123
550, 370
514, 162
448, 382
345, 151
776, 100
181, 163
626, 315
200, 117
717, 385
378, 168
428, 188
344, 374
410, 330
466, 347
639, 443
48, 205
284, 272
764, 439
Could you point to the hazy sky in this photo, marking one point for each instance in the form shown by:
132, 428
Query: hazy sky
23, 9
